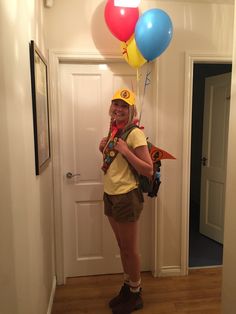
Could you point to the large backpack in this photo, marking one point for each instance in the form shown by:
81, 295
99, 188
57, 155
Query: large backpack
149, 185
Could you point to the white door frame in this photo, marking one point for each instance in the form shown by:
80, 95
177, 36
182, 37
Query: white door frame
190, 59
55, 58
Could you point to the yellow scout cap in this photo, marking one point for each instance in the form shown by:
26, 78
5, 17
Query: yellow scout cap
125, 95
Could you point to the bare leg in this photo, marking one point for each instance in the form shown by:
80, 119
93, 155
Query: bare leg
129, 246
115, 229
127, 238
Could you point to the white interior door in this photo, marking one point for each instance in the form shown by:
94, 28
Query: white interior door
214, 155
89, 244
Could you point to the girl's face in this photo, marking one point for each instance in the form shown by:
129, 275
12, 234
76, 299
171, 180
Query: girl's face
120, 110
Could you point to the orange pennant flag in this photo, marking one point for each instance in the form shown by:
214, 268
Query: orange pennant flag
158, 153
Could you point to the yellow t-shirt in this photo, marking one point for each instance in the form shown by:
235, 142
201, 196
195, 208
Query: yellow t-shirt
119, 178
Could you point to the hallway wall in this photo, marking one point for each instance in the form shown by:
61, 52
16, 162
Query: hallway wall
229, 257
206, 27
26, 233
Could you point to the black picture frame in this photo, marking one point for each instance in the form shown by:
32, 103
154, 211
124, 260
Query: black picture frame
40, 105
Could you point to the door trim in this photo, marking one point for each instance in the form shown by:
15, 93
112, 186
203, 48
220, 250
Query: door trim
55, 58
190, 59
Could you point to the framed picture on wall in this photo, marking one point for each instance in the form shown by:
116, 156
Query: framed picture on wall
39, 86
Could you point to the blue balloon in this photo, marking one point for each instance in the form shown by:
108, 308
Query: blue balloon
153, 33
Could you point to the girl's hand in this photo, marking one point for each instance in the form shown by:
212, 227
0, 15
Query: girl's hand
121, 146
102, 144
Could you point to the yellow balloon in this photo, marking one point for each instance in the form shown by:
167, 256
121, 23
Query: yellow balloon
131, 53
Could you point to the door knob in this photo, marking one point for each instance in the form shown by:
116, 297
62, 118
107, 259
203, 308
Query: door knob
204, 160
70, 175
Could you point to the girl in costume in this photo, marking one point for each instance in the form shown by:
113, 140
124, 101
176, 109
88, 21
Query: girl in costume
123, 201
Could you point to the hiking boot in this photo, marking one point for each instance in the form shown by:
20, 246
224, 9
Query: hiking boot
134, 302
122, 296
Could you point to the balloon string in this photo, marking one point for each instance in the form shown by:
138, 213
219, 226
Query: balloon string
146, 83
138, 94
125, 52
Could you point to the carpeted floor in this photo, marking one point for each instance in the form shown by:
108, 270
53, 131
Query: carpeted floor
202, 250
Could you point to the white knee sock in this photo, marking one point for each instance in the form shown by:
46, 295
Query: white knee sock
135, 285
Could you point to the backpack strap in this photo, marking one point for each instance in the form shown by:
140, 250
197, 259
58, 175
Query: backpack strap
109, 153
128, 130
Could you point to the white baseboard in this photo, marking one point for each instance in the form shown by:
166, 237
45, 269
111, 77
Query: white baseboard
52, 295
167, 271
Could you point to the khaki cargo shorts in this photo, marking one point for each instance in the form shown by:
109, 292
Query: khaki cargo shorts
125, 207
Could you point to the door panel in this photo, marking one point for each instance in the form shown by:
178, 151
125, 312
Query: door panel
89, 244
214, 149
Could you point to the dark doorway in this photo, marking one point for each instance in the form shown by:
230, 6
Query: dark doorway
203, 251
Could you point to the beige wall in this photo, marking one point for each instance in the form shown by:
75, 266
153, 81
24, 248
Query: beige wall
26, 235
77, 25
229, 261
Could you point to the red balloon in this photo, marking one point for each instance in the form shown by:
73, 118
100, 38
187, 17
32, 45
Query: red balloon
121, 21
